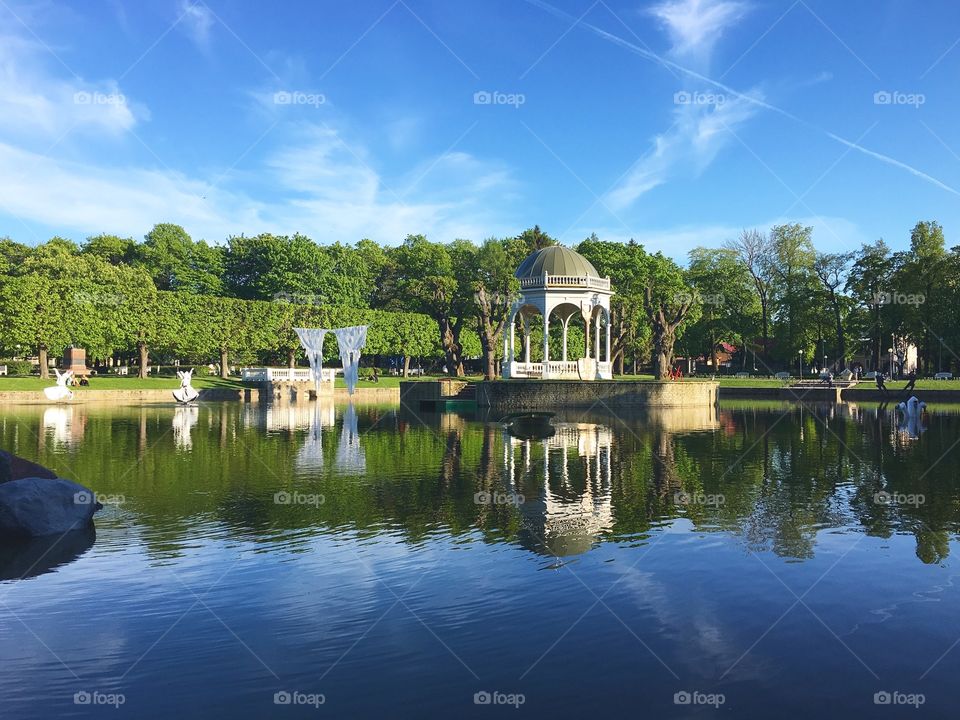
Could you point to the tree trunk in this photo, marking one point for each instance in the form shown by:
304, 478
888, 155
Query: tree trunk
224, 363
663, 341
766, 331
841, 344
618, 362
713, 353
406, 366
44, 369
144, 359
490, 363
450, 342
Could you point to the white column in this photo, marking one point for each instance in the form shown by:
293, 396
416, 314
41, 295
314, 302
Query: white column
566, 323
526, 339
596, 337
506, 348
608, 340
546, 340
586, 336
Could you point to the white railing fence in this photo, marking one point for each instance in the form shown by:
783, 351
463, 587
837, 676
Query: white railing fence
269, 374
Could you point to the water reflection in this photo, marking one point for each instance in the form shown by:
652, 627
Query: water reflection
773, 476
185, 418
29, 557
573, 506
350, 456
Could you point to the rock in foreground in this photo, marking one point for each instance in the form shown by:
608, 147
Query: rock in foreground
35, 507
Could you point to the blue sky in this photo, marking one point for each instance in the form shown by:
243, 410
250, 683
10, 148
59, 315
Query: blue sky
675, 122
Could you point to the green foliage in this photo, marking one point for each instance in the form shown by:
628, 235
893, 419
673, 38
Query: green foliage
17, 367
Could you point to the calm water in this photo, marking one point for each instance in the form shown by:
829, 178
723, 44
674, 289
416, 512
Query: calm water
784, 561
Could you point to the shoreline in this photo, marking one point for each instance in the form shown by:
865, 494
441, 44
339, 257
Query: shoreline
247, 395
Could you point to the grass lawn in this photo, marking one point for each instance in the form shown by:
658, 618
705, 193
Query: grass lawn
921, 385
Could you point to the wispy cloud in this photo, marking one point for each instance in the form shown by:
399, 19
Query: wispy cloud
329, 189
698, 134
696, 25
197, 21
701, 120
37, 104
734, 93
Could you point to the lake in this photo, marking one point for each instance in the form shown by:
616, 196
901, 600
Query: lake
756, 560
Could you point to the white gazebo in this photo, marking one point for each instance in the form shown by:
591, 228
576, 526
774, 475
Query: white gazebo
557, 282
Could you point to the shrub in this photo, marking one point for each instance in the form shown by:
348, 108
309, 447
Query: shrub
18, 367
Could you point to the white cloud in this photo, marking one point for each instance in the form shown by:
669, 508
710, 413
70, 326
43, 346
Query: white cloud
319, 185
34, 103
696, 25
699, 133
197, 20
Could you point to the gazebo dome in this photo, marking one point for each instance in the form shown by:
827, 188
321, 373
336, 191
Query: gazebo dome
555, 260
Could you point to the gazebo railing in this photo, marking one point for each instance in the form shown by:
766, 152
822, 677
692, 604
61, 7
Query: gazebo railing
571, 281
555, 369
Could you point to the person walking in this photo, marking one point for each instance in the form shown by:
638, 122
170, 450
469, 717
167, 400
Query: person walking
911, 381
880, 383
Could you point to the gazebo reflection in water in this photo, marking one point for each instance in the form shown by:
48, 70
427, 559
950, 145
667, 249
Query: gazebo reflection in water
573, 505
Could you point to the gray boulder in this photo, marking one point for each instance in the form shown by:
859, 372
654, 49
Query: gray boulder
14, 468
35, 507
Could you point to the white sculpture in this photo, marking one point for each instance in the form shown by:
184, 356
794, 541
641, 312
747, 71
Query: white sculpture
351, 340
186, 393
912, 407
60, 391
312, 341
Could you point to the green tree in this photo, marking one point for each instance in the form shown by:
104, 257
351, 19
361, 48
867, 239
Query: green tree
110, 248
668, 302
754, 251
832, 270
425, 282
731, 309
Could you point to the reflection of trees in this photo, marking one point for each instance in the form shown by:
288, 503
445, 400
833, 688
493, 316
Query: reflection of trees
784, 479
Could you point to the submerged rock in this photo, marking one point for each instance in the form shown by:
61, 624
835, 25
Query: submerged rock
35, 507
15, 468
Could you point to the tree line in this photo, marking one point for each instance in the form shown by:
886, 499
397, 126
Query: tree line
771, 295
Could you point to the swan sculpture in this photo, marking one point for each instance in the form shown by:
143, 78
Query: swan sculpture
60, 391
186, 392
